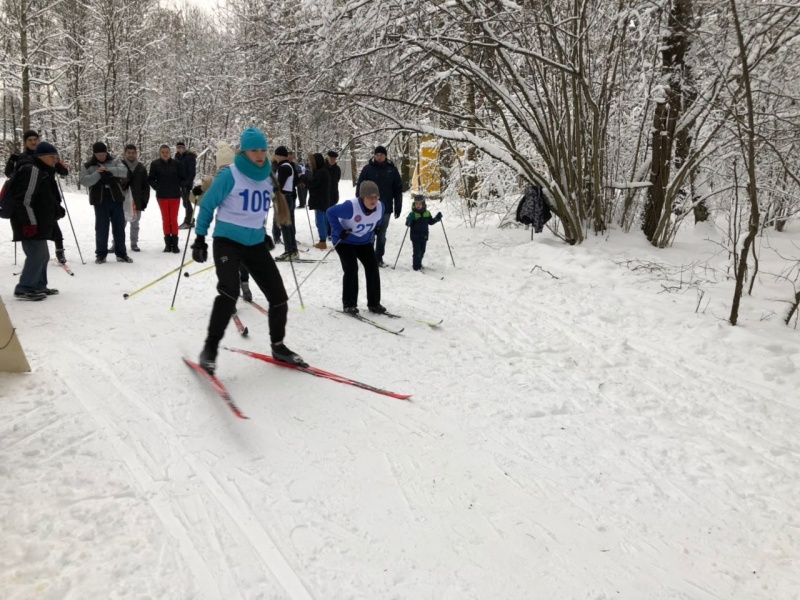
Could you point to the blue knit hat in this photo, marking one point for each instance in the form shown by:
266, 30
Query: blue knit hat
252, 139
45, 149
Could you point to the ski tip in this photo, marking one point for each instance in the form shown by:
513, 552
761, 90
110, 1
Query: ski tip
246, 332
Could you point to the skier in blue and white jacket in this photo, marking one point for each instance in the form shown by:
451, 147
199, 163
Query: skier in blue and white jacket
241, 195
354, 224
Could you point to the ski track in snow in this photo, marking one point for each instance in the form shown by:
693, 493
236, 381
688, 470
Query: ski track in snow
579, 437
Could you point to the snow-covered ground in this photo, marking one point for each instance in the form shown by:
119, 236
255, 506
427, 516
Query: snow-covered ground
585, 424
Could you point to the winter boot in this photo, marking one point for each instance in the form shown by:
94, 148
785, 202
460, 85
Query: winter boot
281, 353
321, 245
378, 309
208, 358
167, 243
350, 310
175, 248
247, 295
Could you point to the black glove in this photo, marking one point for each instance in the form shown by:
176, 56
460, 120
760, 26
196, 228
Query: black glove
344, 234
197, 191
396, 215
105, 175
200, 249
61, 169
60, 212
378, 230
438, 216
269, 242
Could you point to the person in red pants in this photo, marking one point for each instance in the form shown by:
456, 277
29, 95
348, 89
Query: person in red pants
167, 178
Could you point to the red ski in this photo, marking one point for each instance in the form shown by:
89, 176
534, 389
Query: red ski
218, 387
320, 373
258, 307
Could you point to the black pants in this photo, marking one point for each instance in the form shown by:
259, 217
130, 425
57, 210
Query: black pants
418, 246
349, 255
58, 237
228, 256
187, 205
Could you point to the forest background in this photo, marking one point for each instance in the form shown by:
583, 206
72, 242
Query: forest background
630, 114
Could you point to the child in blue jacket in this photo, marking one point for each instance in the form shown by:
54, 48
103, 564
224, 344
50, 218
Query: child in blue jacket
419, 220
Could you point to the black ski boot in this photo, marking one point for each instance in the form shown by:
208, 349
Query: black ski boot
281, 353
208, 359
174, 246
167, 243
378, 309
247, 295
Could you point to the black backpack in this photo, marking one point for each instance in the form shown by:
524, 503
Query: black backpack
7, 202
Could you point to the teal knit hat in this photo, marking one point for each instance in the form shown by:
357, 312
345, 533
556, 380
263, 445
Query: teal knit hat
252, 139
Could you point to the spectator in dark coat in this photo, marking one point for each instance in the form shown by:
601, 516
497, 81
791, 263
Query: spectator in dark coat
318, 183
136, 183
167, 178
102, 175
336, 175
38, 206
382, 172
188, 161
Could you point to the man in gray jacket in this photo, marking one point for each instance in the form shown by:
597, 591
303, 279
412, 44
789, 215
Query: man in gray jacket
102, 174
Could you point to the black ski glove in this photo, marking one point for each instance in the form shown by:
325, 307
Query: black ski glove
269, 242
200, 249
344, 234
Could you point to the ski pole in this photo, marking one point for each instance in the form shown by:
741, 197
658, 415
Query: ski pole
311, 231
155, 281
315, 268
66, 209
448, 244
203, 270
185, 249
294, 274
15, 254
401, 248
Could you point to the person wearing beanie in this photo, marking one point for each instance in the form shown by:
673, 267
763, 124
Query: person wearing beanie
287, 184
382, 171
31, 139
167, 178
37, 204
102, 174
241, 196
418, 221
188, 161
225, 156
354, 224
335, 176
